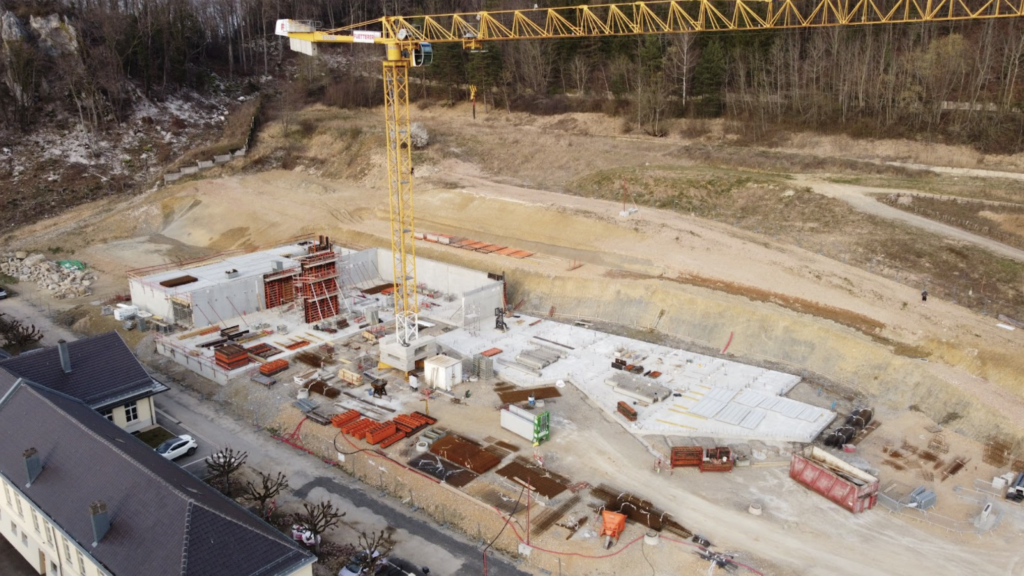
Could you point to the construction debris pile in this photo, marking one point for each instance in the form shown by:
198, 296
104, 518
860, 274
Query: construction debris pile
63, 279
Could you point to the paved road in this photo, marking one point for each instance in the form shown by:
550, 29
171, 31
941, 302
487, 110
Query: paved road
196, 463
860, 198
420, 541
469, 553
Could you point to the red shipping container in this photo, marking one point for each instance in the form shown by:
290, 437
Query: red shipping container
834, 479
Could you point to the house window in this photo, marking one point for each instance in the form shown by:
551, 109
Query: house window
24, 539
7, 492
81, 563
131, 412
53, 568
67, 552
14, 528
20, 512
35, 521
49, 534
108, 414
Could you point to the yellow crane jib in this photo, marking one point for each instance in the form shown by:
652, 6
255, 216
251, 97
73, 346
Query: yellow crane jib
407, 42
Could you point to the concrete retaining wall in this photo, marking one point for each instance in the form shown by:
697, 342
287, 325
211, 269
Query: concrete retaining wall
197, 365
203, 165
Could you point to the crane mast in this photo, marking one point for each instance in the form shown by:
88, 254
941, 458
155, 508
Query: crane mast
407, 41
400, 171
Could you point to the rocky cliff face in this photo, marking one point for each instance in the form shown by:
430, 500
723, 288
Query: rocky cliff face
55, 35
68, 137
37, 55
14, 39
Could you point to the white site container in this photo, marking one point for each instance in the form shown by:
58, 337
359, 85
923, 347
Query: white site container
125, 312
442, 372
518, 425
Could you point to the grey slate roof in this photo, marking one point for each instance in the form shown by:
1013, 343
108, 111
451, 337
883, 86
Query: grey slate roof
6, 380
103, 371
164, 521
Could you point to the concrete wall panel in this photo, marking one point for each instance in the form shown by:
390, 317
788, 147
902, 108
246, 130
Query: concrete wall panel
226, 301
150, 300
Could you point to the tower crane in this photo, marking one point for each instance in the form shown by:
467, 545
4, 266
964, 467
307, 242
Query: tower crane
407, 42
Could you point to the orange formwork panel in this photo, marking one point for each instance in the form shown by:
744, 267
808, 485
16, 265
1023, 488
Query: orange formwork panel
508, 251
340, 420
379, 433
392, 439
361, 424
521, 254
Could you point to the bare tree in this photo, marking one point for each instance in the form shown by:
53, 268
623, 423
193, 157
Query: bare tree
652, 98
223, 463
14, 334
680, 59
377, 547
269, 488
580, 69
320, 518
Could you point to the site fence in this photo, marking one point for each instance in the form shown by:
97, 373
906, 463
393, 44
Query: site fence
979, 525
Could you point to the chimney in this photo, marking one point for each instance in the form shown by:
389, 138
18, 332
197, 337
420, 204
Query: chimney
32, 465
65, 357
100, 521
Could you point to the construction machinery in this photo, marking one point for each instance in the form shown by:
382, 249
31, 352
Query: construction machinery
408, 40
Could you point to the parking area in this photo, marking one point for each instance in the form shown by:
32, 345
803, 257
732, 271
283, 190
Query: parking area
196, 463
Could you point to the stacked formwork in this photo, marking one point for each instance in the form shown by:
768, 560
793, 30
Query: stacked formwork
279, 288
231, 356
316, 284
483, 367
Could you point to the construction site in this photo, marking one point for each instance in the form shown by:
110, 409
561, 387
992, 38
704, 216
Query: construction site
728, 364
584, 440
302, 331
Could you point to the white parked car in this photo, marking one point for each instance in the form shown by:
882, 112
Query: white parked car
177, 447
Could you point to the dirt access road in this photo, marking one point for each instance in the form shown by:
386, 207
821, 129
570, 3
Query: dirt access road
861, 198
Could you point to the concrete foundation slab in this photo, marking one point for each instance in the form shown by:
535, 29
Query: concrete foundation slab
698, 388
